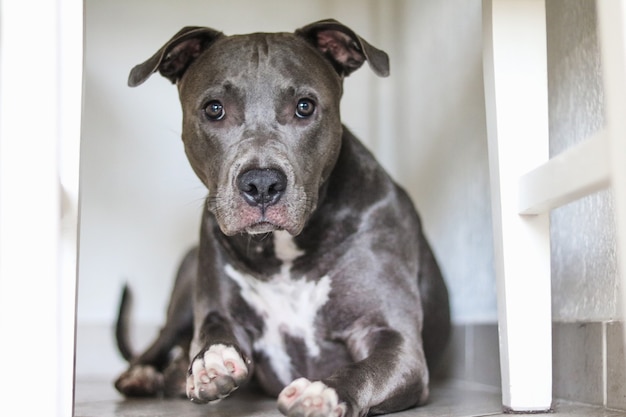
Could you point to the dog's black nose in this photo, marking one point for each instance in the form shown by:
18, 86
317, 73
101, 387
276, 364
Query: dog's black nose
262, 187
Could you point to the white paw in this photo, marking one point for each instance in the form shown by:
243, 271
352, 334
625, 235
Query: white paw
215, 373
304, 398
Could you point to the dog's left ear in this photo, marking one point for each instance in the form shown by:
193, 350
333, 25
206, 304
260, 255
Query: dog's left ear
173, 59
344, 48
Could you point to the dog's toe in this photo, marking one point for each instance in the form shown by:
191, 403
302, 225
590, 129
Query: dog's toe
303, 398
215, 374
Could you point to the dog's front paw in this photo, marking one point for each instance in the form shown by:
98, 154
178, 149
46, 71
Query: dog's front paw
140, 381
304, 398
215, 373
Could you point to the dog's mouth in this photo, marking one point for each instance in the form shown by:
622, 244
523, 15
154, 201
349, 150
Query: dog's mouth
243, 218
262, 228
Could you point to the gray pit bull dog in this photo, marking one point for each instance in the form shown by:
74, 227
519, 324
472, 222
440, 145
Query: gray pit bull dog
312, 273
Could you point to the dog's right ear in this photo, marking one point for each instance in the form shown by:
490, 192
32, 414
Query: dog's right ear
173, 59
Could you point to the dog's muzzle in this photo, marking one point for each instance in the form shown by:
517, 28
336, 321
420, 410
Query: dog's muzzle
261, 200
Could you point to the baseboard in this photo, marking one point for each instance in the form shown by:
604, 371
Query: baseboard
588, 363
473, 355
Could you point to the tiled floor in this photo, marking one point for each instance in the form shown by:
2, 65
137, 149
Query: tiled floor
450, 399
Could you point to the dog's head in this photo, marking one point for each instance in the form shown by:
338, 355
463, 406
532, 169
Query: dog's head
261, 124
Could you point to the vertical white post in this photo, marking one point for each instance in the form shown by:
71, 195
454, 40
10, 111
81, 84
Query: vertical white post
40, 112
515, 71
70, 95
612, 31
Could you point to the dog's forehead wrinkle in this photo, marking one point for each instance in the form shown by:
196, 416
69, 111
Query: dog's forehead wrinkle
275, 59
267, 67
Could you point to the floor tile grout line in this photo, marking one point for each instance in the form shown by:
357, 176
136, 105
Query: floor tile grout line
605, 356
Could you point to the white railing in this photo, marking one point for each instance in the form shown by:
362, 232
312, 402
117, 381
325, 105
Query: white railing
526, 185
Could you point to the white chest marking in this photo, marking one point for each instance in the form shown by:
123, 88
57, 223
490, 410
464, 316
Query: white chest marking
285, 248
287, 306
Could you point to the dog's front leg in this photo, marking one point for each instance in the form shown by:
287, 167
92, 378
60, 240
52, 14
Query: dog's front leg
391, 376
220, 366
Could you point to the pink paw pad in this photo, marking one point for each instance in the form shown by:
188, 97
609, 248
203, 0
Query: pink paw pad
310, 399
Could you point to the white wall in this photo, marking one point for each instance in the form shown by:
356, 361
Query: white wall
442, 145
584, 271
141, 203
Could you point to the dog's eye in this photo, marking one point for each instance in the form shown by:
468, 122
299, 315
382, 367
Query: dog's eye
305, 108
214, 110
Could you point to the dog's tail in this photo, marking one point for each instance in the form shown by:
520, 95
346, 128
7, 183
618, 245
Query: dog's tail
122, 325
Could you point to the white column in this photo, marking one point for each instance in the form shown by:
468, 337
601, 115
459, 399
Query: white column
612, 31
40, 112
515, 71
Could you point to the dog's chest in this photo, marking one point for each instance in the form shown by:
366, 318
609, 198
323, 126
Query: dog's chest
288, 306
